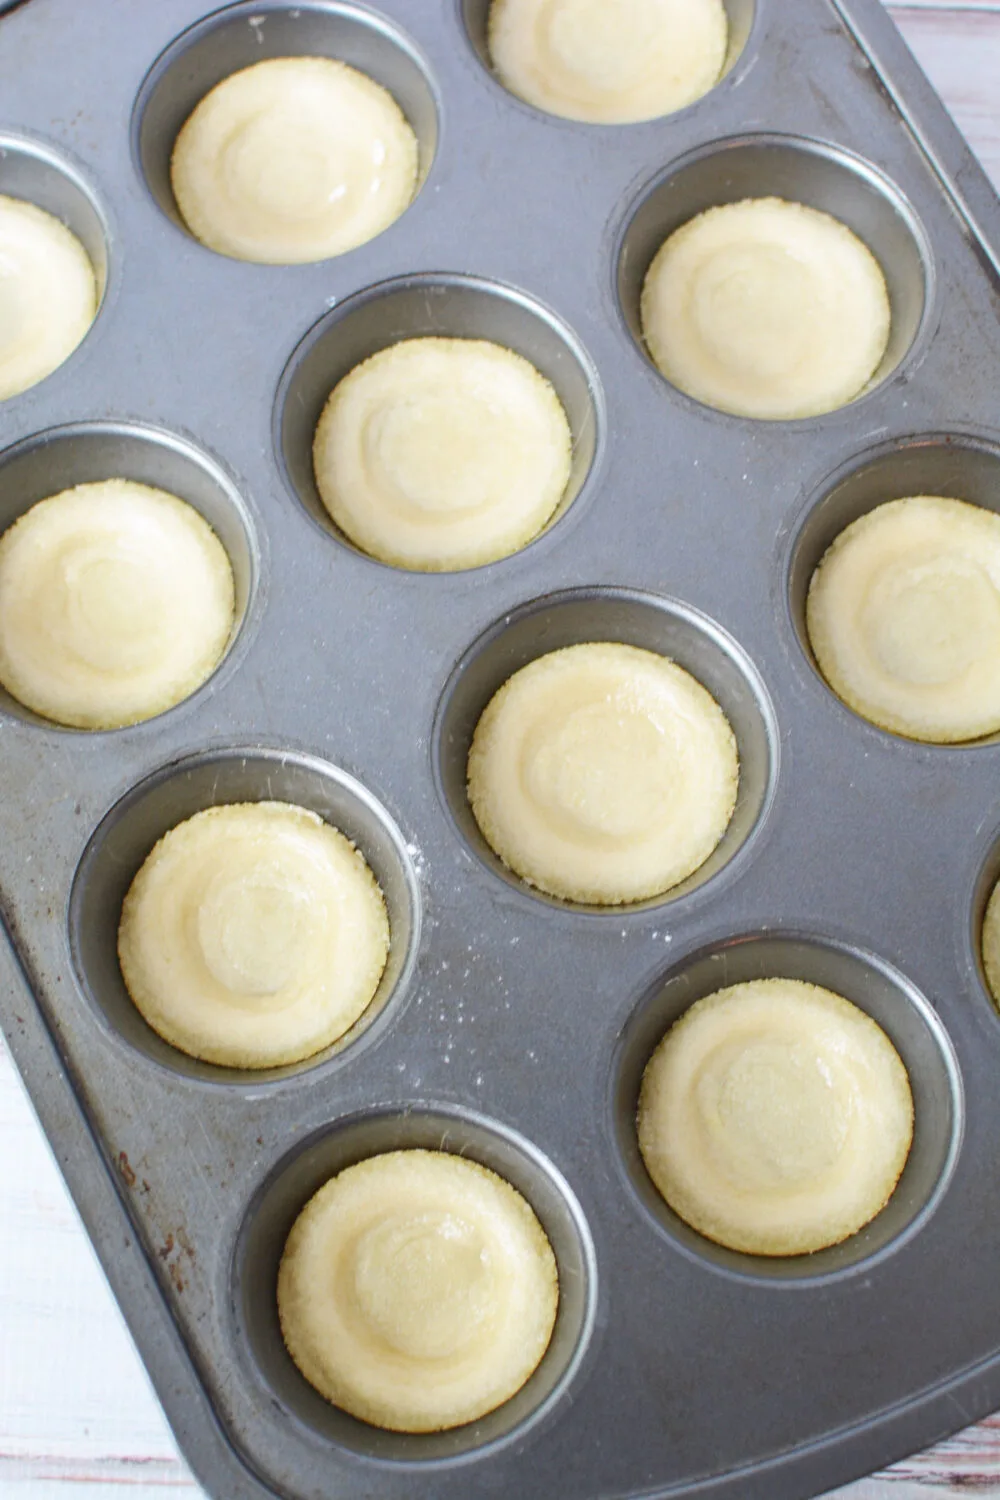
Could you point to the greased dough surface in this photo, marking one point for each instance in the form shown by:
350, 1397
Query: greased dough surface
903, 615
603, 773
766, 309
116, 601
48, 294
417, 1291
253, 935
438, 454
991, 942
293, 159
775, 1117
608, 61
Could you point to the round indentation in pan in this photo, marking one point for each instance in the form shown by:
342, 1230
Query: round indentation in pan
126, 835
247, 33
294, 1180
960, 466
611, 614
890, 999
740, 16
32, 170
439, 306
802, 171
61, 457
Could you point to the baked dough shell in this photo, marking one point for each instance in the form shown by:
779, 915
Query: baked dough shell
417, 1291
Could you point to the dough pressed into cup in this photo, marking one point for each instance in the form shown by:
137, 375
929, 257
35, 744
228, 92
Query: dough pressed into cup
441, 453
903, 615
116, 602
254, 935
417, 1291
48, 294
293, 159
991, 943
775, 1117
608, 61
603, 773
767, 309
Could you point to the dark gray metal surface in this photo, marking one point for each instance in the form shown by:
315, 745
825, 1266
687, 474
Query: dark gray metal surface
508, 1026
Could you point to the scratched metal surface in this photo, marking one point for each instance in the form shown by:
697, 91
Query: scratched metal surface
516, 1029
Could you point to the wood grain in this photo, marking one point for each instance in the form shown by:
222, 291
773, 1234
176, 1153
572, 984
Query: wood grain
959, 50
77, 1416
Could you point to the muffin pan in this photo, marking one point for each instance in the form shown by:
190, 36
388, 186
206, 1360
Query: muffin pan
509, 1026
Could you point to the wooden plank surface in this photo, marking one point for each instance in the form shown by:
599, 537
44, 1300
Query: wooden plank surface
77, 1416
959, 50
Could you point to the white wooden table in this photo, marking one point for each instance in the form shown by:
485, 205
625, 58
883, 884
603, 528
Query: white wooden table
78, 1420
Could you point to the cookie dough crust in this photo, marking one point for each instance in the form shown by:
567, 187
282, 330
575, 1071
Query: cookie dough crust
116, 602
608, 62
254, 935
417, 1291
48, 294
438, 454
293, 159
991, 943
903, 616
775, 1117
603, 773
767, 309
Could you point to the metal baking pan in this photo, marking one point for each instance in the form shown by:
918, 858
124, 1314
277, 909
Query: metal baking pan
509, 1026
